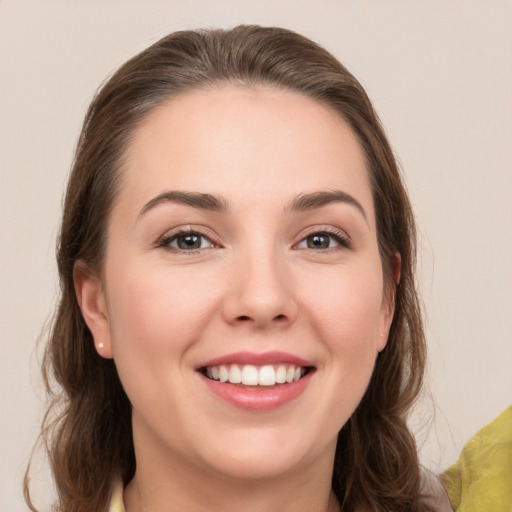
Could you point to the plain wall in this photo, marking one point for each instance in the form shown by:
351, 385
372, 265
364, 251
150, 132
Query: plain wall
440, 75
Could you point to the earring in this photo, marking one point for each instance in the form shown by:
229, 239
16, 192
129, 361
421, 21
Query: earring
100, 345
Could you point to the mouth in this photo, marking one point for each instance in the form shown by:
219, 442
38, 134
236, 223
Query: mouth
264, 376
257, 381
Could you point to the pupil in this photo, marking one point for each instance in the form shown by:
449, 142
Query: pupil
318, 242
189, 242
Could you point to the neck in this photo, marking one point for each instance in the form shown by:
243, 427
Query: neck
164, 483
254, 497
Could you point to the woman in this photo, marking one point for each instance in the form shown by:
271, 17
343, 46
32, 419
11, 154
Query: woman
239, 326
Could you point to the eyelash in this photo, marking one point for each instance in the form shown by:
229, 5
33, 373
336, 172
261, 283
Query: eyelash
339, 237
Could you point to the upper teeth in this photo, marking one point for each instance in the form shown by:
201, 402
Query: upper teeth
250, 375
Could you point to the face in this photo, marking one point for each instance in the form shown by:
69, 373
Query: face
242, 292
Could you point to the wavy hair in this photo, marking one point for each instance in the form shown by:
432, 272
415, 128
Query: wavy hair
87, 429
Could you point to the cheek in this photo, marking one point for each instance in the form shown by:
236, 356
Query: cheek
348, 301
346, 310
154, 317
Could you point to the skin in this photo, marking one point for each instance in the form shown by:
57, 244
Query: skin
255, 285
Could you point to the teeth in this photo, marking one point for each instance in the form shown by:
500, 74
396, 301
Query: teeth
281, 374
223, 374
251, 375
267, 376
235, 375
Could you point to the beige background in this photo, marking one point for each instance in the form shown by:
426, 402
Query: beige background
440, 74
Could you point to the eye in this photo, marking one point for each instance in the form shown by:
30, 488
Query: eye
323, 240
186, 241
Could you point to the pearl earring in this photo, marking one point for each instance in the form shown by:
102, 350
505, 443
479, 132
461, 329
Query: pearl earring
100, 345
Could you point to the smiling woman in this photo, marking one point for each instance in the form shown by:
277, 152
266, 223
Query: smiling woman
239, 327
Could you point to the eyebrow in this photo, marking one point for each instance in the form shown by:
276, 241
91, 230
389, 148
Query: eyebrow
305, 202
199, 200
210, 202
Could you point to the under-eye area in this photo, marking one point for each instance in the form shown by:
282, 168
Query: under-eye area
251, 375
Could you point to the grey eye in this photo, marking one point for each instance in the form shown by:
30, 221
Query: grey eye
318, 241
189, 241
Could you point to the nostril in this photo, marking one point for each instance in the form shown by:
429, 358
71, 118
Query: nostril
245, 318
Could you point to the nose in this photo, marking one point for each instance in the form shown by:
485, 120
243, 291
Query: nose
260, 292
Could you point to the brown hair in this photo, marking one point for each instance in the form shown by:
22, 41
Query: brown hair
89, 441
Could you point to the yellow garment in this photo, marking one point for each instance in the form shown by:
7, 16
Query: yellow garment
481, 480
116, 501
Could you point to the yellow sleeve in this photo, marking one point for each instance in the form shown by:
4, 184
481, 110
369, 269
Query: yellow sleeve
481, 480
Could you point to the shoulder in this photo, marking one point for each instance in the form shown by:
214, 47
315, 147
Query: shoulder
480, 479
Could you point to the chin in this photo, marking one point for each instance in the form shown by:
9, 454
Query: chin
257, 466
263, 455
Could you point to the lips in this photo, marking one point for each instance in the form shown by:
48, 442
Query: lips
257, 381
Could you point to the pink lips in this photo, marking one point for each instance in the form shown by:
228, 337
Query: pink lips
274, 357
257, 398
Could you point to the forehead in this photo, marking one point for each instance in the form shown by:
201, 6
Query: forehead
244, 142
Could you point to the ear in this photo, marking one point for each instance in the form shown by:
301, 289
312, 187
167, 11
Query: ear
91, 299
388, 303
